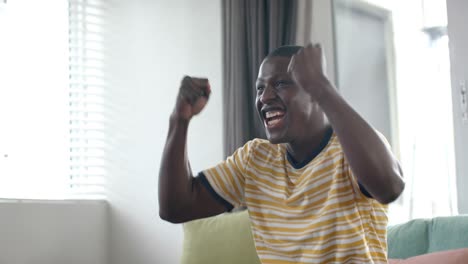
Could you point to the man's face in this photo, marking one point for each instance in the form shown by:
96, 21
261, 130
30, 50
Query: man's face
287, 110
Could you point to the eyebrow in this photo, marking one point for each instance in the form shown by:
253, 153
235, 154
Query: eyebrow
259, 81
276, 76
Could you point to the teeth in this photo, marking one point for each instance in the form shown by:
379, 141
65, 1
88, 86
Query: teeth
271, 114
273, 122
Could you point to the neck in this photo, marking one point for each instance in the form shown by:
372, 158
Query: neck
301, 150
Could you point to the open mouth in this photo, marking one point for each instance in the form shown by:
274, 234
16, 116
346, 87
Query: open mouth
273, 118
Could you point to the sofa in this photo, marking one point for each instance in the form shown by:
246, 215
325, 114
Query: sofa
227, 239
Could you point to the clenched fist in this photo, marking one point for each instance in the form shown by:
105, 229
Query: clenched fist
192, 98
307, 70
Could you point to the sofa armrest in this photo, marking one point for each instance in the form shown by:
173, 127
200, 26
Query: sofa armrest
225, 238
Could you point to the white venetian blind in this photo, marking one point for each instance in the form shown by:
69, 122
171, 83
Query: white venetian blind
86, 93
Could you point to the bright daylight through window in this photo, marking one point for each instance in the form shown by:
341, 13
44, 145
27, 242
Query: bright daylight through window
51, 100
423, 100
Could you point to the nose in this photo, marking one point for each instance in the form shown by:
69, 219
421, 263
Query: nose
269, 93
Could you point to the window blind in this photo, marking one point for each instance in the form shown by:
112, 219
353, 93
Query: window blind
87, 174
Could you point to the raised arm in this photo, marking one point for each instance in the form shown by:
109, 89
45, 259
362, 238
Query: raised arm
371, 161
181, 196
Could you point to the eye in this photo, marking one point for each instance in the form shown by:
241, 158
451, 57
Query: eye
282, 83
260, 87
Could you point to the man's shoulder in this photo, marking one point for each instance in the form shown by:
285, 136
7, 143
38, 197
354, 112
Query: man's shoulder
262, 143
265, 147
259, 142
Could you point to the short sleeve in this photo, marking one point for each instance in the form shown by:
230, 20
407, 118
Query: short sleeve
362, 195
228, 177
359, 189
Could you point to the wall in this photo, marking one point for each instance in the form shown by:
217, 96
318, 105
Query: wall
458, 43
152, 45
53, 232
322, 32
369, 94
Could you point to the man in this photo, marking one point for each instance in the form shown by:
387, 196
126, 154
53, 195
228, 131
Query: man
316, 190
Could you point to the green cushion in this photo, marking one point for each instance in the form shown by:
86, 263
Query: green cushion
226, 239
422, 236
448, 233
408, 239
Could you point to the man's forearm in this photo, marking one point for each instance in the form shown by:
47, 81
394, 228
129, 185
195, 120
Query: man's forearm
371, 161
174, 175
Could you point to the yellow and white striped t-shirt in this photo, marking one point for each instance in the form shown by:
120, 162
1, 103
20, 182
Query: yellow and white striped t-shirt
313, 214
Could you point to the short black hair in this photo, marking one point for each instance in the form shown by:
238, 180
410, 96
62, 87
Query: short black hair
284, 51
289, 51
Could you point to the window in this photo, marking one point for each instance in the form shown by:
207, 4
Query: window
394, 68
87, 88
425, 111
48, 113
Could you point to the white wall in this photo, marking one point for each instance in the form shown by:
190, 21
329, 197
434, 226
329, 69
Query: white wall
368, 93
53, 232
322, 32
458, 36
153, 44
